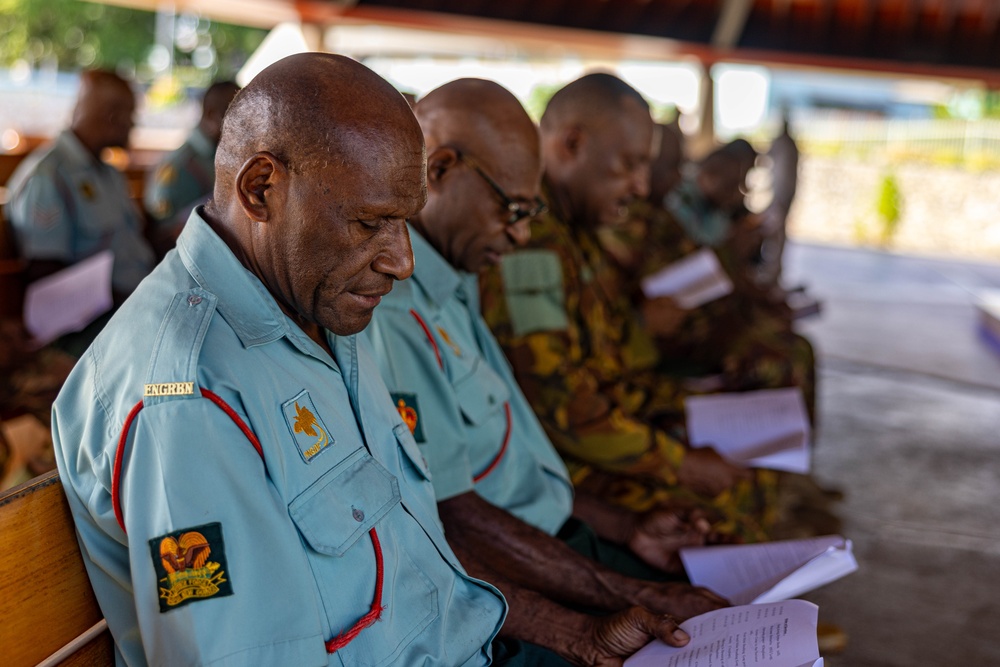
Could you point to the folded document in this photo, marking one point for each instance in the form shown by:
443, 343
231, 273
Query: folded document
691, 281
70, 299
759, 429
781, 634
770, 571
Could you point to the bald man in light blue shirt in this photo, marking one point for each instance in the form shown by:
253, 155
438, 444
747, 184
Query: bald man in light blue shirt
503, 494
243, 491
66, 204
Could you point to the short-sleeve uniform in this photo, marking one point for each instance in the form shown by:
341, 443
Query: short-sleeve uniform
184, 177
66, 205
451, 382
239, 557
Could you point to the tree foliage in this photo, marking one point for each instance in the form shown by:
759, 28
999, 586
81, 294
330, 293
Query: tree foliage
71, 35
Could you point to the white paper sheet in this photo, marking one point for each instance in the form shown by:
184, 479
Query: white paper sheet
761, 429
691, 281
781, 634
70, 299
770, 571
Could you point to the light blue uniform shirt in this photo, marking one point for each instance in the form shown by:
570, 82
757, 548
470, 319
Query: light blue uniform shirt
66, 205
183, 178
290, 535
459, 402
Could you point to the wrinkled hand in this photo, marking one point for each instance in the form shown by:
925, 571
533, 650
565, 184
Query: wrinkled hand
679, 600
611, 639
659, 533
706, 472
663, 316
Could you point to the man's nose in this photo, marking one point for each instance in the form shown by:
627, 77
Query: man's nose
520, 231
396, 259
640, 181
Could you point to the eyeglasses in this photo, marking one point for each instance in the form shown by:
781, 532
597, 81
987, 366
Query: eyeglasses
517, 211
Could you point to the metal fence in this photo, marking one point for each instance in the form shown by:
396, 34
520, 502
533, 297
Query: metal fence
960, 142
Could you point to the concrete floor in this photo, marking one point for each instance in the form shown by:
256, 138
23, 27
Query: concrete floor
909, 410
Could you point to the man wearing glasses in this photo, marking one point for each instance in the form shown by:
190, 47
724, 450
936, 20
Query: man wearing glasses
503, 493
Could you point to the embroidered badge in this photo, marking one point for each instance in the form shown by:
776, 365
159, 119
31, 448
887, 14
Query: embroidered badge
169, 389
87, 190
447, 339
166, 175
308, 430
162, 208
406, 404
190, 565
45, 217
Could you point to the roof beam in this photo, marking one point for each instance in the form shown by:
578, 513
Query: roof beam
732, 21
991, 16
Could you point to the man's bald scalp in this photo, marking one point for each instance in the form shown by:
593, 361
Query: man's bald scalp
96, 79
476, 116
96, 85
308, 108
588, 99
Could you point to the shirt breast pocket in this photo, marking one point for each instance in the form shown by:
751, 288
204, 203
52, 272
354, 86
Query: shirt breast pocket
345, 503
481, 394
334, 516
411, 450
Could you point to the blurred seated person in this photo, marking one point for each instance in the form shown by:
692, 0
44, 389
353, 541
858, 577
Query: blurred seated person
739, 337
578, 352
184, 177
711, 193
783, 156
66, 204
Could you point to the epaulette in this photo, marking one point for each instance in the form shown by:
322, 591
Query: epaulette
533, 287
173, 364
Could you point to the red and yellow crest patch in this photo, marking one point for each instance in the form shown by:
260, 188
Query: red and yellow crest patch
406, 404
190, 565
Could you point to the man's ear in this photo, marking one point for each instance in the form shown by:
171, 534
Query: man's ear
440, 160
259, 180
571, 141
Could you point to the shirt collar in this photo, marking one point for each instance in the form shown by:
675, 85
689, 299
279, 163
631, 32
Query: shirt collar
72, 145
243, 300
431, 271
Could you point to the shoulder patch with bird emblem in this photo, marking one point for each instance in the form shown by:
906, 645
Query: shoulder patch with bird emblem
190, 565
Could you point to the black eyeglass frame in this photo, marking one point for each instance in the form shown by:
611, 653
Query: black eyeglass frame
517, 211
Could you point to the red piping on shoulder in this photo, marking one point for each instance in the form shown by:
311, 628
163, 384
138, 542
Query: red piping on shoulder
427, 331
338, 642
506, 406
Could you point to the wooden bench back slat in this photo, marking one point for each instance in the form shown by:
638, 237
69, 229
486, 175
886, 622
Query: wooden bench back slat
45, 596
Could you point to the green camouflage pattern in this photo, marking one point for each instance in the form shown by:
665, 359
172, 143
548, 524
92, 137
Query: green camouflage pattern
591, 376
742, 336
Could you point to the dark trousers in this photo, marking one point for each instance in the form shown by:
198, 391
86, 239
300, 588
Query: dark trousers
515, 653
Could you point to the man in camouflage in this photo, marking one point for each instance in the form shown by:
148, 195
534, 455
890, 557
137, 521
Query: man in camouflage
745, 336
583, 361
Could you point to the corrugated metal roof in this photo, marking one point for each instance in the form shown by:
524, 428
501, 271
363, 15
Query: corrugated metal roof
961, 34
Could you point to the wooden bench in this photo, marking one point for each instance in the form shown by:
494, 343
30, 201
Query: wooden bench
48, 612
